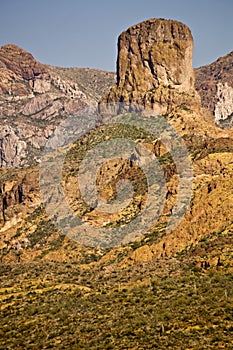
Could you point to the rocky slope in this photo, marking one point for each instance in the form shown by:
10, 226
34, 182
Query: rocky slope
214, 83
35, 98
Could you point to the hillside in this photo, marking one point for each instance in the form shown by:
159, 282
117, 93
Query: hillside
94, 83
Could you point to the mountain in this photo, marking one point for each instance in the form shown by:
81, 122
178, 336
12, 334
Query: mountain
35, 98
214, 83
161, 290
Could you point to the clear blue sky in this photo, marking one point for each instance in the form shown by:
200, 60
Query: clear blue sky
75, 33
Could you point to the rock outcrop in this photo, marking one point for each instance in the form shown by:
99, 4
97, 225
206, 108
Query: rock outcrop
19, 194
12, 148
214, 83
19, 67
154, 66
224, 106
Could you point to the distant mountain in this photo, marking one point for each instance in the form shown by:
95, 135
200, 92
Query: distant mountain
214, 83
34, 98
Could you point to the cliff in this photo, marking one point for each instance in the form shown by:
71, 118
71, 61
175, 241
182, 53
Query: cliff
154, 66
214, 83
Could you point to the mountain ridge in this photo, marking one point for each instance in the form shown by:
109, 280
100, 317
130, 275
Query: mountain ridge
207, 142
35, 98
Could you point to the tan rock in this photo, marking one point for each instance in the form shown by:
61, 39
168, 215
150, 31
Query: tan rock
154, 66
36, 104
12, 148
17, 67
41, 85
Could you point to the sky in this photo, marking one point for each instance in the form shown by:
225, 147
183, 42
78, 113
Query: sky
75, 33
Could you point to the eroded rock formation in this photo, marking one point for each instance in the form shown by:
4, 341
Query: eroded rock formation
19, 195
214, 83
154, 66
224, 106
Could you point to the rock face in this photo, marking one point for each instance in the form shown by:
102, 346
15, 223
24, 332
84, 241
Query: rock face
12, 149
154, 66
19, 67
18, 191
35, 98
214, 83
224, 106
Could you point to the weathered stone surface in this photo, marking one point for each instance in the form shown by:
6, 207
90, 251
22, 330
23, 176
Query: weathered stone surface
21, 62
214, 83
35, 105
18, 68
154, 66
224, 105
12, 148
20, 143
34, 99
20, 191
